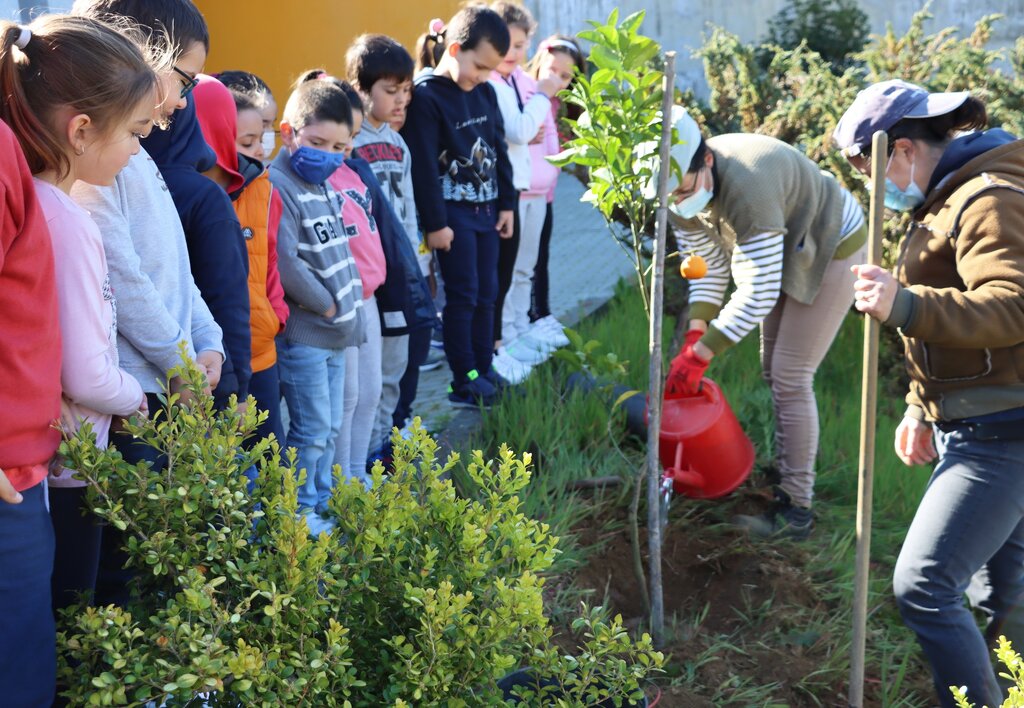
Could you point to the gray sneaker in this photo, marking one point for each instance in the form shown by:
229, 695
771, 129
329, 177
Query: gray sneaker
784, 519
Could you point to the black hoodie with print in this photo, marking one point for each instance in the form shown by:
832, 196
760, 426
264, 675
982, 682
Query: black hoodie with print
459, 154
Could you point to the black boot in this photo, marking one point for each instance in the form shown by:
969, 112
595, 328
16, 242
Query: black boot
784, 519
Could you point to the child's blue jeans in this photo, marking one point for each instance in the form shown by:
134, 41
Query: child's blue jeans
967, 536
470, 271
313, 381
28, 638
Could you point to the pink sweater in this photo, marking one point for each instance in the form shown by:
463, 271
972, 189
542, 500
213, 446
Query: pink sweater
364, 239
92, 383
543, 175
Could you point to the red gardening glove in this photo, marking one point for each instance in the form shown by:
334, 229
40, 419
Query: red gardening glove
686, 372
692, 337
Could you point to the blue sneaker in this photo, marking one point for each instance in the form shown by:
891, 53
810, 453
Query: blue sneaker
475, 392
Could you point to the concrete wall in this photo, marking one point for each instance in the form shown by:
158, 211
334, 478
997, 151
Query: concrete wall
680, 24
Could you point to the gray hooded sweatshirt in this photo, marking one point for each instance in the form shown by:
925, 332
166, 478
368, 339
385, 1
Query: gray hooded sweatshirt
158, 303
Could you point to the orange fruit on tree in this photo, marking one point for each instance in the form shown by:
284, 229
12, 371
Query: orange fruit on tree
693, 267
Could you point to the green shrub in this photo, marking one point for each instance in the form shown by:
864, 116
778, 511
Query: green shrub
419, 597
1014, 673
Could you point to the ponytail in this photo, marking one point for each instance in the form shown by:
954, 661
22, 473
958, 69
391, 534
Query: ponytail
62, 61
938, 130
42, 151
430, 46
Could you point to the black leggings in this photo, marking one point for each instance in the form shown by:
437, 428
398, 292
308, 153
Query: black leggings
508, 248
540, 307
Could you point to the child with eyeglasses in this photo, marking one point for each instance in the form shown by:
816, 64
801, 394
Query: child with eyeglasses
159, 304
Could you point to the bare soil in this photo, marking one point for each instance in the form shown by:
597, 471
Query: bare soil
736, 610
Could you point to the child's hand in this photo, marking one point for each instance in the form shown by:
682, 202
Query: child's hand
539, 137
506, 222
441, 240
332, 311
7, 492
550, 86
212, 362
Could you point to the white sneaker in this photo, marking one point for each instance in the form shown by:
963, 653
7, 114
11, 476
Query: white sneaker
549, 322
510, 368
529, 350
549, 334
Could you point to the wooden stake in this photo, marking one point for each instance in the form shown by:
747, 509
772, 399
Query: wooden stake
654, 416
868, 411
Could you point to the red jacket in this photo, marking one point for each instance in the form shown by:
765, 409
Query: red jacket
29, 331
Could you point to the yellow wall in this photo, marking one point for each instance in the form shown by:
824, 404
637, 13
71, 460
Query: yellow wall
278, 39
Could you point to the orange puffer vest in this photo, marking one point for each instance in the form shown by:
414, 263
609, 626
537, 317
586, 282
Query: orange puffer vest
253, 209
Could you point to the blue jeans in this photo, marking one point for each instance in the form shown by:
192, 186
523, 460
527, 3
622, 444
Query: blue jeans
28, 638
967, 536
470, 271
313, 381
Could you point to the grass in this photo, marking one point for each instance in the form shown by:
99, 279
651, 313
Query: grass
572, 438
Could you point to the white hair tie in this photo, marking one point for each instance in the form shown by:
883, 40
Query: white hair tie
23, 38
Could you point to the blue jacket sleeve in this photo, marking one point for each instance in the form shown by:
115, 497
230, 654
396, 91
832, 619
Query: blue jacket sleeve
220, 267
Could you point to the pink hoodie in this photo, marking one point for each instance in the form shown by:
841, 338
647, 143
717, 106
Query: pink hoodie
93, 384
543, 175
364, 240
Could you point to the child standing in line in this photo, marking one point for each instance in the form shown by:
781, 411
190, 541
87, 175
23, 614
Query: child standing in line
524, 103
84, 124
561, 56
259, 213
216, 248
142, 235
321, 284
462, 181
256, 89
381, 70
147, 257
30, 354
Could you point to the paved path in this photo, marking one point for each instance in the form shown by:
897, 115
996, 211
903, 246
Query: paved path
585, 265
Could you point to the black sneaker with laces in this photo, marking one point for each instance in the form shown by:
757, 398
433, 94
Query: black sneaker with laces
784, 519
475, 392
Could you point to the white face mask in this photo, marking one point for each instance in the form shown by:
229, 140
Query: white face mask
269, 142
693, 204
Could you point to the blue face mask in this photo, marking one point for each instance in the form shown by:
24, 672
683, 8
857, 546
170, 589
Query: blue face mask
902, 199
315, 166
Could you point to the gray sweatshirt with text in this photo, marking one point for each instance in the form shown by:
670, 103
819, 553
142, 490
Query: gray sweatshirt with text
316, 264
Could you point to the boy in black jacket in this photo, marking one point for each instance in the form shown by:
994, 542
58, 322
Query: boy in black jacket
462, 182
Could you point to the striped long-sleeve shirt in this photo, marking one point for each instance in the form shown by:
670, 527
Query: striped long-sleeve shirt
756, 267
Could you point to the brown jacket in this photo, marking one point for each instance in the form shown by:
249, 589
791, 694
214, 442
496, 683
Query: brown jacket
961, 312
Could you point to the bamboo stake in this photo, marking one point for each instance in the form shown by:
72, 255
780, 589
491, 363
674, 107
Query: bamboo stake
868, 411
654, 416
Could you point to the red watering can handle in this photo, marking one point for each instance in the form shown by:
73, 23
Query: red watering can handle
707, 392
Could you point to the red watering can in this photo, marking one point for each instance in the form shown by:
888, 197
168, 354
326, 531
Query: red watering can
704, 451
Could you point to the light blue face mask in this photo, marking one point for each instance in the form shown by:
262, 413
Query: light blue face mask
902, 199
693, 204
